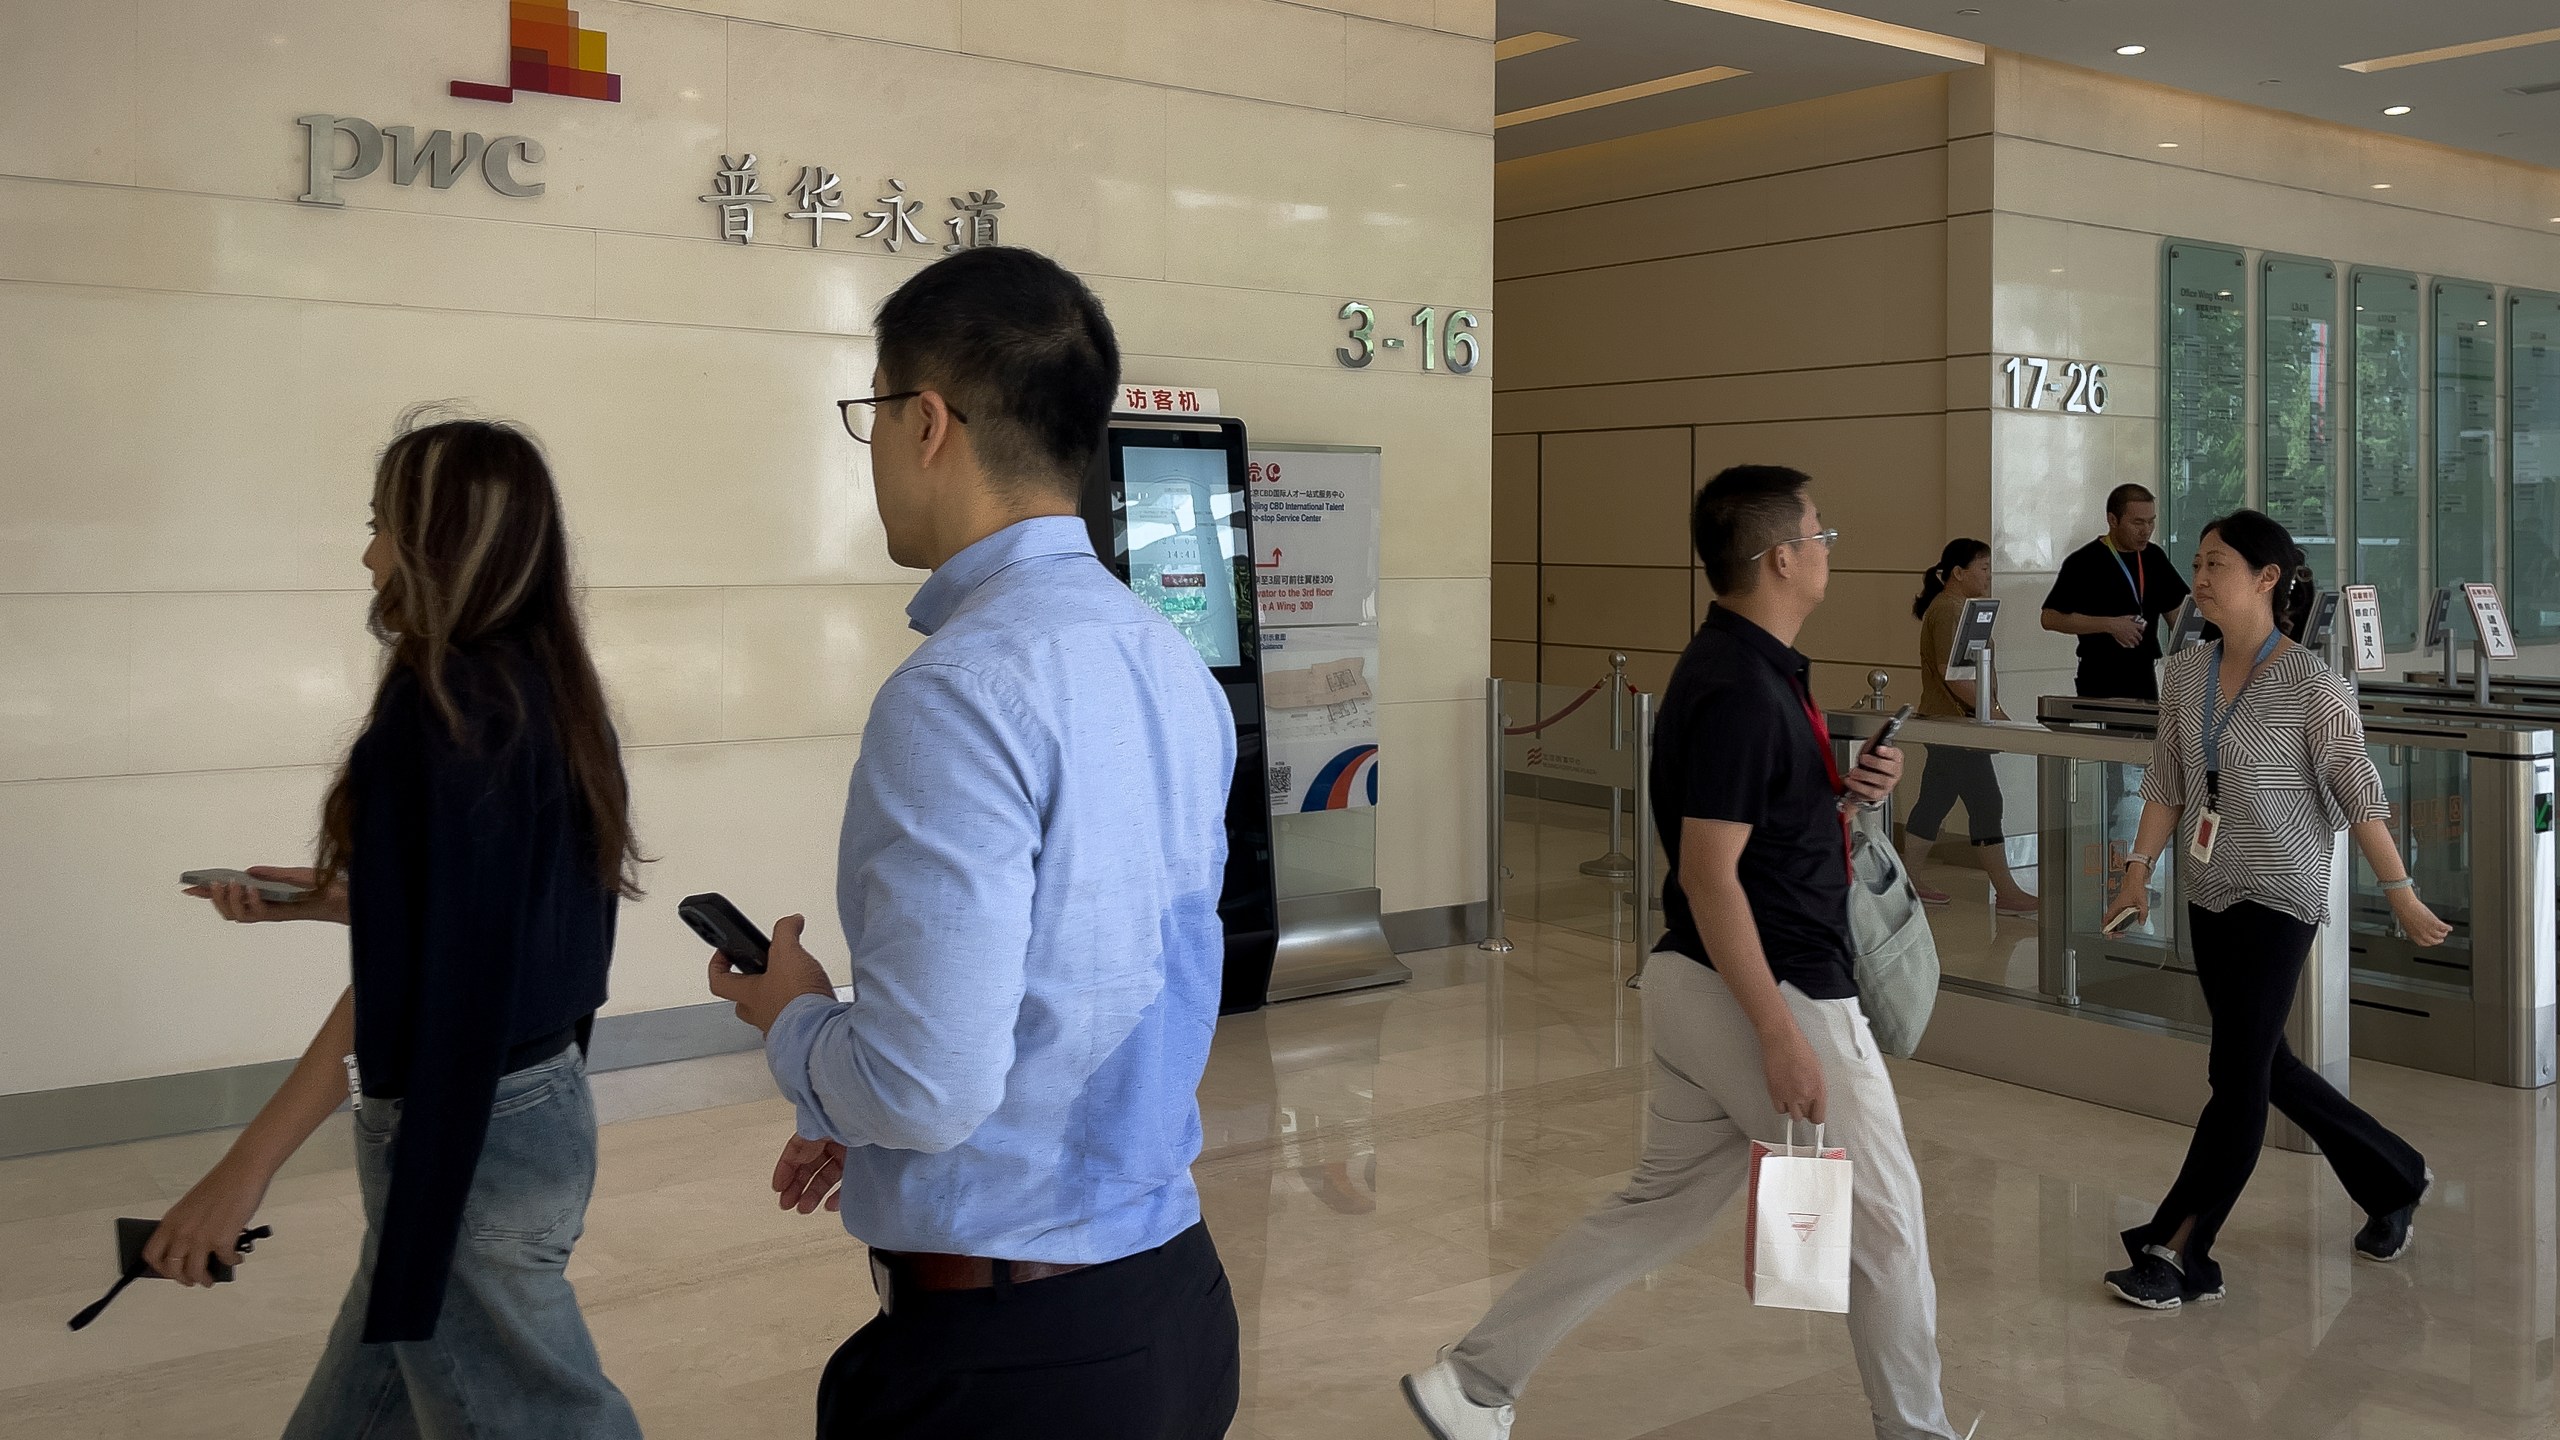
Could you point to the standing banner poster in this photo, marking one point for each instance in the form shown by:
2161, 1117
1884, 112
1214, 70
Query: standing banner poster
1315, 567
2364, 628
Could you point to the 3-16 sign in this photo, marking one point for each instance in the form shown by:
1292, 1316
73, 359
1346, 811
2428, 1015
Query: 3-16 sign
1453, 342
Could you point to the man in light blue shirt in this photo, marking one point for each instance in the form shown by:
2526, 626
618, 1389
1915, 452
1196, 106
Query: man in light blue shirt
1028, 879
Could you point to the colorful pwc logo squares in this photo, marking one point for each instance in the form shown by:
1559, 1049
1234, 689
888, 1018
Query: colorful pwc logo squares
548, 55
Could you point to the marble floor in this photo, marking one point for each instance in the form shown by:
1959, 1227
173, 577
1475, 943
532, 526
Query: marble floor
1378, 1167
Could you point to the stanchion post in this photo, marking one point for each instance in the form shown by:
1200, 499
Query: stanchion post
1494, 938
1615, 865
1641, 890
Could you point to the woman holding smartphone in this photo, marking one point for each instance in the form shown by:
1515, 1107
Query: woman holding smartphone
476, 843
2260, 761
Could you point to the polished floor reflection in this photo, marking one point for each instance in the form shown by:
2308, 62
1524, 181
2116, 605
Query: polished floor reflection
1378, 1166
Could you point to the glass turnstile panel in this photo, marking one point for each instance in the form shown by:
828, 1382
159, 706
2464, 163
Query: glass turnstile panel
2432, 818
2143, 973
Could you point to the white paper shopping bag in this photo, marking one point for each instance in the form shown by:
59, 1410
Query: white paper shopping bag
1795, 1241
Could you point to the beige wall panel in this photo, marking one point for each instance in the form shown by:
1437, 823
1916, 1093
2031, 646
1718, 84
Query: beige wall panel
1516, 602
1879, 194
914, 22
210, 244
1881, 121
66, 668
2075, 292
2021, 642
1614, 607
774, 856
1968, 478
659, 653
1297, 51
1574, 666
1419, 76
1462, 17
1969, 172
1615, 497
1434, 646
68, 92
1431, 822
1970, 101
292, 690
1968, 284
2050, 478
1515, 661
1878, 481
1820, 393
806, 660
1855, 299
1866, 619
1515, 498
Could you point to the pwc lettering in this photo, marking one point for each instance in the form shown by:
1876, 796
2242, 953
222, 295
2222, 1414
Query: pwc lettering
439, 157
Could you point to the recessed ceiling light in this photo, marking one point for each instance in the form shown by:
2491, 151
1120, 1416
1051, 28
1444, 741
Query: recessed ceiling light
2168, 144
2395, 109
2381, 184
2131, 49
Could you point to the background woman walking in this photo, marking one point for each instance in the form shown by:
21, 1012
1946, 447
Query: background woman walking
1963, 572
477, 843
2260, 761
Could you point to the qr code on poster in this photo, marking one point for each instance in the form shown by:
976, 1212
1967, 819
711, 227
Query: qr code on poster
1279, 777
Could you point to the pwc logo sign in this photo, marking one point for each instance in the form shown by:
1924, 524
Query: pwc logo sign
548, 54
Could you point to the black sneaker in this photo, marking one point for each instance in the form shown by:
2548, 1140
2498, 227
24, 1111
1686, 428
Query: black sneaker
2386, 1238
2153, 1281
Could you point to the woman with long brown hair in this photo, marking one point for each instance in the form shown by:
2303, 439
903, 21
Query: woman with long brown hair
476, 843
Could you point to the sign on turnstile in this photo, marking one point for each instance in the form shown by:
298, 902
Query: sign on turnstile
2489, 620
2364, 627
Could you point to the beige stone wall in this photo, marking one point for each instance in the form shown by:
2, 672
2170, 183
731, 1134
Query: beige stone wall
198, 372
1770, 288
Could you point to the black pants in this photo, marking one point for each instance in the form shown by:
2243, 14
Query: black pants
1953, 774
2248, 961
1140, 1349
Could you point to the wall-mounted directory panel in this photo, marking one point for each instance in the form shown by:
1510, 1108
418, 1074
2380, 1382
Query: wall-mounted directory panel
2465, 397
2385, 364
2204, 390
2297, 399
2533, 464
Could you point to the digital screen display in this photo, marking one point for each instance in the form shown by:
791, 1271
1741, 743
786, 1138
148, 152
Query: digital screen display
1178, 528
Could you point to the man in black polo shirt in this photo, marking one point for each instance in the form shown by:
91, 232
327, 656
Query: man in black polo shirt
2109, 592
1750, 1000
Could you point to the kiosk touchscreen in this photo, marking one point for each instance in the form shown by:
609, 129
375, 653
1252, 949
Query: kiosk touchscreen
1166, 506
1972, 637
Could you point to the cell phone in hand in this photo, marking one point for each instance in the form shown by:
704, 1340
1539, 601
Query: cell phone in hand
726, 930
1892, 728
274, 892
2120, 921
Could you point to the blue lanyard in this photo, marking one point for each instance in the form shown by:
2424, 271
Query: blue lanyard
2131, 580
2213, 727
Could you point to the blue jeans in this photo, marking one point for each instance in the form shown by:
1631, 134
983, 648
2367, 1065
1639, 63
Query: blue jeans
511, 1356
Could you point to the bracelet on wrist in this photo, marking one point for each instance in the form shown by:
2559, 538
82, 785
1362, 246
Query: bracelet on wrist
2405, 882
2145, 861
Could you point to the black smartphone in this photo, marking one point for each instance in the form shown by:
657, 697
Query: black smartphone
721, 925
1892, 727
132, 1235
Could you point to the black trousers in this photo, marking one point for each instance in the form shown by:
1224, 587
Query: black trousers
1953, 774
2248, 961
1140, 1349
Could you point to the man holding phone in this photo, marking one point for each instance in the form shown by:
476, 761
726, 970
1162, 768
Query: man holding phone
2109, 592
1033, 846
1750, 998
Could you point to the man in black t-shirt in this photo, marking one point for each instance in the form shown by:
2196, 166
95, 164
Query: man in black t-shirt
2109, 593
1750, 999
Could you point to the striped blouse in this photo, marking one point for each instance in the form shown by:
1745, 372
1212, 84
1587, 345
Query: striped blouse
2294, 773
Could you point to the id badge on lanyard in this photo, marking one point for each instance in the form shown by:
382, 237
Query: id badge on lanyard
2209, 824
1831, 767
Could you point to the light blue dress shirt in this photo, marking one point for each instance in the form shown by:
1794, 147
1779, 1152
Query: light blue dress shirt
1033, 844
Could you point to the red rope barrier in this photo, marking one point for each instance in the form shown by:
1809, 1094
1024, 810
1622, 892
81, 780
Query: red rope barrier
1578, 702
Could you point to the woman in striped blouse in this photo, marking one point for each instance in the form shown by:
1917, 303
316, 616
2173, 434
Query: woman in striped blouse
2260, 762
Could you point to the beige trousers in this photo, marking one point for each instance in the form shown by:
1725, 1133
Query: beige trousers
1710, 1101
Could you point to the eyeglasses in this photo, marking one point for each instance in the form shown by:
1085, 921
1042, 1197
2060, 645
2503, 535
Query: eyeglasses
1828, 538
859, 417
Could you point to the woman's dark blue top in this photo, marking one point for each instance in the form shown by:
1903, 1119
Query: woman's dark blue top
481, 935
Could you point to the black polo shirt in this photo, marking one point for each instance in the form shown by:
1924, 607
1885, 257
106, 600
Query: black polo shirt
2094, 582
1734, 742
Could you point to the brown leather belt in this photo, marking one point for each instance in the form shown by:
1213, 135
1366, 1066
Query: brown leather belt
896, 1270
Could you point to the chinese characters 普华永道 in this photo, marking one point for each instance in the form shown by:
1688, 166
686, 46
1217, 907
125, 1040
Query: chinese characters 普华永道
737, 189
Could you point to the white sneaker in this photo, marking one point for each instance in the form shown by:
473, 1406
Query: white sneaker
1444, 1409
